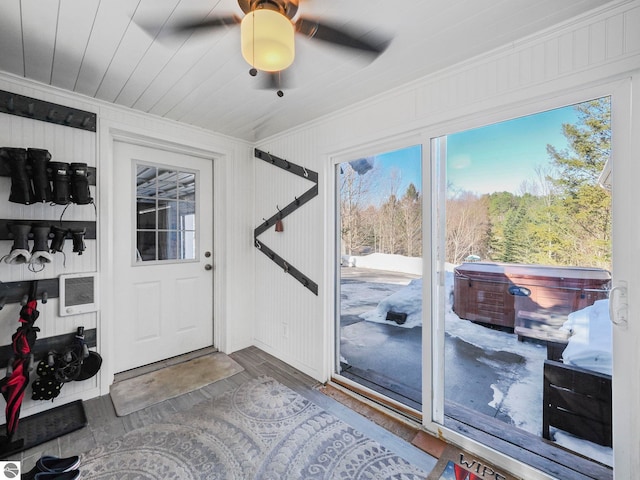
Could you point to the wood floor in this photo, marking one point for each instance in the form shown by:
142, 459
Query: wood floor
104, 426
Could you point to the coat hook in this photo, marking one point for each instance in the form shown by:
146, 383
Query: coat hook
30, 109
258, 245
297, 200
270, 157
286, 267
306, 174
25, 300
10, 105
288, 165
51, 115
68, 119
266, 222
45, 297
85, 121
279, 225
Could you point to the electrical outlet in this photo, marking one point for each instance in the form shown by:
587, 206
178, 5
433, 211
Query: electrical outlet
285, 330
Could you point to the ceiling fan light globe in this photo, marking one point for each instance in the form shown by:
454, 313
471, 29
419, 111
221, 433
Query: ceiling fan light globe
267, 40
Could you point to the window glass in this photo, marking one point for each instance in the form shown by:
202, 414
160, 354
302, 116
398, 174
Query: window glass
527, 260
165, 214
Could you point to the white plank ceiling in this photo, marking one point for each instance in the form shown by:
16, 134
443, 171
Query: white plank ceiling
98, 48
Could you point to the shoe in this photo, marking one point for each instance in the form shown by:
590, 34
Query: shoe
70, 475
40, 254
20, 250
48, 464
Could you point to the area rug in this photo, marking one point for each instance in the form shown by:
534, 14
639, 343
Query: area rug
262, 430
136, 393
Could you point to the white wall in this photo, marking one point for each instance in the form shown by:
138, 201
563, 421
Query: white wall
588, 57
233, 200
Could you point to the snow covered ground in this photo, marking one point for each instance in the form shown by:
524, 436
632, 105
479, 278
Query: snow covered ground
522, 399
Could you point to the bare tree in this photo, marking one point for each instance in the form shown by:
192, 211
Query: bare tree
388, 215
467, 222
354, 198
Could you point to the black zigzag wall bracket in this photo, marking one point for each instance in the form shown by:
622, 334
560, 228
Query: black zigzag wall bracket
282, 213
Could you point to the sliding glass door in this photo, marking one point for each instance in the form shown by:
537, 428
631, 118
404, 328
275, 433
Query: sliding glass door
379, 278
525, 233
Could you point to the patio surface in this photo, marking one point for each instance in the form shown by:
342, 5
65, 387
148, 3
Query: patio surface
387, 357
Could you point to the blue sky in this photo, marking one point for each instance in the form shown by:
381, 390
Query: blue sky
408, 162
500, 157
488, 159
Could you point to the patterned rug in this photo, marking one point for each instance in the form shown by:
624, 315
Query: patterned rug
262, 430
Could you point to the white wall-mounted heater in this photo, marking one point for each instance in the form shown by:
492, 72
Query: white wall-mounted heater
78, 293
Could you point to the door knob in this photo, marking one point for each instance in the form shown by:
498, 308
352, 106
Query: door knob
208, 266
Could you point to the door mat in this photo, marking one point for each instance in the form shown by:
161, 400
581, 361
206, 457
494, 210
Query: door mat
136, 393
456, 464
44, 426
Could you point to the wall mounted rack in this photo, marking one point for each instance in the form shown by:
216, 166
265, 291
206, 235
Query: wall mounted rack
16, 292
28, 107
89, 226
48, 344
287, 210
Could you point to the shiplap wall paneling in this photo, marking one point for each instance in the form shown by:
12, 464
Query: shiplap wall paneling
292, 320
65, 144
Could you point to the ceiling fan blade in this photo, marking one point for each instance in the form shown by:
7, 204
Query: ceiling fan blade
324, 32
209, 23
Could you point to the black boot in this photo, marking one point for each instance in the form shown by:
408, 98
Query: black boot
39, 160
20, 249
61, 184
80, 184
78, 240
40, 253
59, 236
21, 190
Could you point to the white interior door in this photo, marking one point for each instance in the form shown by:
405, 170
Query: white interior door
163, 245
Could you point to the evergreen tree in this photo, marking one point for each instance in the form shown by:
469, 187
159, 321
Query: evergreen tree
587, 204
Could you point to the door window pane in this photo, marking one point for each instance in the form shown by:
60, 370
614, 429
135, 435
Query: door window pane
167, 245
165, 214
146, 246
146, 218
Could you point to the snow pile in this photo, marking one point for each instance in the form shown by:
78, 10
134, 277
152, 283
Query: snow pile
383, 261
590, 341
407, 300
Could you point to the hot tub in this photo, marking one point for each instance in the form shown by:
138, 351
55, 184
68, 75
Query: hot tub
534, 300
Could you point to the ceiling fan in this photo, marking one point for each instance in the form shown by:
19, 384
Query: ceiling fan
267, 35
